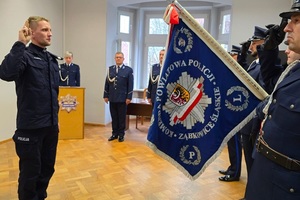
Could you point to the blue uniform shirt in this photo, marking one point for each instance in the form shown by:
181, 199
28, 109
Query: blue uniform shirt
69, 75
118, 86
153, 80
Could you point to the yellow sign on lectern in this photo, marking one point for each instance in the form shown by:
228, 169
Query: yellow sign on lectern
71, 112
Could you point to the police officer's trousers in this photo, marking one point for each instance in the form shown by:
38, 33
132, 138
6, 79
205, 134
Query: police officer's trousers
37, 152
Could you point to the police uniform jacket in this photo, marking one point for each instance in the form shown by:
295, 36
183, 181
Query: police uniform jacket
35, 72
271, 67
268, 180
252, 127
118, 86
73, 74
152, 84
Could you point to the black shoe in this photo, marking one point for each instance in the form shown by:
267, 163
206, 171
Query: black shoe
229, 178
121, 138
113, 137
224, 172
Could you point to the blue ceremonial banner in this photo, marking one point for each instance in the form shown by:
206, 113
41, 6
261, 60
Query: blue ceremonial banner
202, 100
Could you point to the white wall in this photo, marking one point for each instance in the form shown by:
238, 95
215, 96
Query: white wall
247, 14
85, 36
12, 17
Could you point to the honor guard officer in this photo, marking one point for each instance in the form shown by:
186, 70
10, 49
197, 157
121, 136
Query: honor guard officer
275, 174
233, 172
154, 77
69, 72
118, 92
251, 129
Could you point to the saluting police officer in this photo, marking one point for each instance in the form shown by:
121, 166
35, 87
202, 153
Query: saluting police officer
275, 174
118, 92
251, 129
35, 73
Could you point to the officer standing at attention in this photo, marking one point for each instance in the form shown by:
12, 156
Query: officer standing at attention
35, 73
233, 172
250, 130
69, 72
275, 173
118, 92
154, 77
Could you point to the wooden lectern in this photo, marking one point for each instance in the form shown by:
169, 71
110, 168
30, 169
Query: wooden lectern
71, 112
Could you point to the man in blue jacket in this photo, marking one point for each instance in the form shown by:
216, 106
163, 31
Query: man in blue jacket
275, 173
35, 73
118, 90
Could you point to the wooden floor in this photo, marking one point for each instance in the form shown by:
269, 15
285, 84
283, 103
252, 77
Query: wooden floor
95, 169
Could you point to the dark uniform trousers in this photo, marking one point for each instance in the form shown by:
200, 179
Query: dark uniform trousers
118, 115
235, 156
36, 149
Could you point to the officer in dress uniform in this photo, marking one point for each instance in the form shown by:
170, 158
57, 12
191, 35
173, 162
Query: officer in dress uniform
233, 172
275, 174
118, 92
69, 72
154, 77
251, 129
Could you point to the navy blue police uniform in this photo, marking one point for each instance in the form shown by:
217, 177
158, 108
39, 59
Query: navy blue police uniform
233, 172
69, 75
250, 130
153, 81
118, 87
275, 174
35, 73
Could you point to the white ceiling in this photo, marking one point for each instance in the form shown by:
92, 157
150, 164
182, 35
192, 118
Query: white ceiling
145, 3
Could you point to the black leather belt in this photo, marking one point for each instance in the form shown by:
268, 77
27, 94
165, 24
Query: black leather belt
280, 159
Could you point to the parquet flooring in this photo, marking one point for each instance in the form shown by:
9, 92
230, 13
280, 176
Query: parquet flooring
95, 169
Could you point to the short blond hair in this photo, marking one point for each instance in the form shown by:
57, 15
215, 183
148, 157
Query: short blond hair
33, 20
68, 54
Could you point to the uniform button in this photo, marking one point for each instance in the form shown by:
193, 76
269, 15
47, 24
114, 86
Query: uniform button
274, 100
270, 116
292, 190
292, 106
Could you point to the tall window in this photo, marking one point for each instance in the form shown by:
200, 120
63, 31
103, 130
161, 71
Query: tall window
226, 24
125, 48
124, 24
224, 28
156, 31
153, 57
157, 26
125, 36
200, 21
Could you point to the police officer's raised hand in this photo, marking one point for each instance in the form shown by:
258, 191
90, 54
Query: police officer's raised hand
25, 33
276, 35
245, 47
